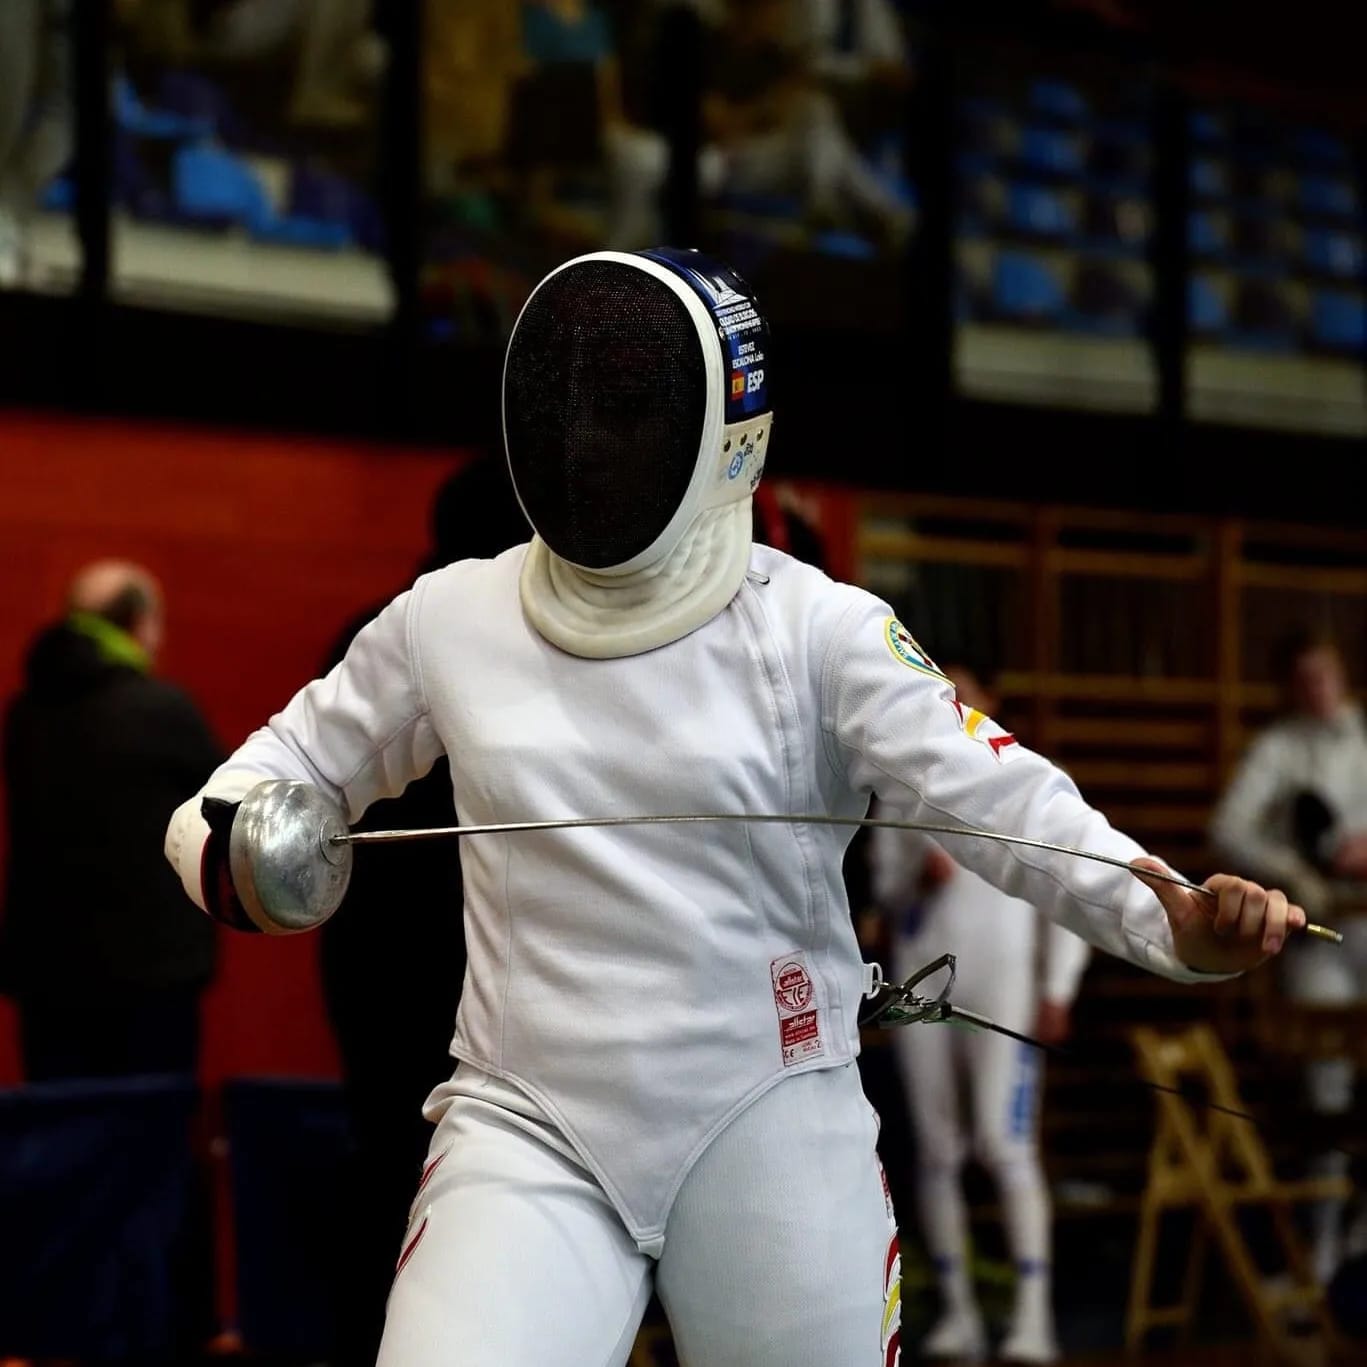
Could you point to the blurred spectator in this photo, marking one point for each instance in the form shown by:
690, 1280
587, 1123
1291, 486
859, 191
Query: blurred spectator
857, 50
555, 31
472, 58
1295, 813
36, 137
520, 96
771, 130
337, 52
554, 108
97, 948
1023, 971
768, 130
393, 957
851, 40
572, 107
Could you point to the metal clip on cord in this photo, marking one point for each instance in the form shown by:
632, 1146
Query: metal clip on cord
900, 1004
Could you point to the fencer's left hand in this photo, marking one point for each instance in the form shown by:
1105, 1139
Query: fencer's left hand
1239, 928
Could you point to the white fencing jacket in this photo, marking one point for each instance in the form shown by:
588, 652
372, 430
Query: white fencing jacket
645, 985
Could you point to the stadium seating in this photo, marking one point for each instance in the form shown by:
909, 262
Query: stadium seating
1036, 211
1048, 152
1276, 207
1207, 313
1338, 321
191, 160
1025, 288
1049, 168
1058, 100
1330, 252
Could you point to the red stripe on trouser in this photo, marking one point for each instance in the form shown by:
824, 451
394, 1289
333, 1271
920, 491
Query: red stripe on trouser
412, 1245
427, 1172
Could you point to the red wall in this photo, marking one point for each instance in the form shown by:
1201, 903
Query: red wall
266, 546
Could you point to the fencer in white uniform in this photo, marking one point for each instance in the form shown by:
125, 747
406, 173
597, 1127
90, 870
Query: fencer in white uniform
1021, 970
656, 1036
1296, 812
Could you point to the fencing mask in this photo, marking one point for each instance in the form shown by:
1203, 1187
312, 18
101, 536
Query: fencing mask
636, 418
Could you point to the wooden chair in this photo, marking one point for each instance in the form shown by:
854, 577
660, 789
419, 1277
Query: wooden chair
1215, 1164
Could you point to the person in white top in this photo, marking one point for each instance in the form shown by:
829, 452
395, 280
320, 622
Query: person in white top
1296, 808
656, 1084
1296, 812
849, 39
1023, 971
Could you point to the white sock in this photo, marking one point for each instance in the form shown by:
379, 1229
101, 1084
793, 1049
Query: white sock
1033, 1308
1026, 1217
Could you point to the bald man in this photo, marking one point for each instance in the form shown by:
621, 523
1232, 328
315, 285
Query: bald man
97, 948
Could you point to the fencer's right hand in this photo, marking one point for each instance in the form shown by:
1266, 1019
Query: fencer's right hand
1237, 929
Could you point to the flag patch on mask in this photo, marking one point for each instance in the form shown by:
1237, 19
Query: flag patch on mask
980, 727
907, 649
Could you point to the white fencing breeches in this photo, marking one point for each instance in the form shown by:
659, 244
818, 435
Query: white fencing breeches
780, 1250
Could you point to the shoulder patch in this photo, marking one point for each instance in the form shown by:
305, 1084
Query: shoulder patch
906, 648
980, 727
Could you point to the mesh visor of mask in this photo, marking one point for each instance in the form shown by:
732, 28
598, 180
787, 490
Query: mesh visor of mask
605, 397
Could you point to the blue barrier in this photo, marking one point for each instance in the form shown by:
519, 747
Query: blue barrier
290, 1147
97, 1208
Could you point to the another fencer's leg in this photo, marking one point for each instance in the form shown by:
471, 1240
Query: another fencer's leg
514, 1257
926, 1058
1006, 1078
781, 1248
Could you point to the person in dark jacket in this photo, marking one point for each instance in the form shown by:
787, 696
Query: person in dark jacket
97, 948
393, 957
